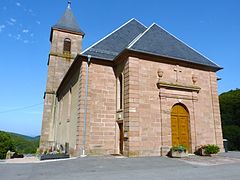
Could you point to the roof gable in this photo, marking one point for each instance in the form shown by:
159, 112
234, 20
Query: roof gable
155, 40
113, 44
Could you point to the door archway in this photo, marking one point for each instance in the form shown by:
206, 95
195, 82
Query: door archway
180, 126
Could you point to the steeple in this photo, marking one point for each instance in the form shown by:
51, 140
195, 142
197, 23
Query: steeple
66, 42
68, 22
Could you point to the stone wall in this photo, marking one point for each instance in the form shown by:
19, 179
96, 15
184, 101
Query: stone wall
147, 111
58, 65
101, 110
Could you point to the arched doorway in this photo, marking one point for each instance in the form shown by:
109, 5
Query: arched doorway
180, 126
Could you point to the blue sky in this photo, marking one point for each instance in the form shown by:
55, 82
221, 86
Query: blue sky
211, 27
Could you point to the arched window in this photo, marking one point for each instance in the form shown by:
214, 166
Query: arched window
67, 46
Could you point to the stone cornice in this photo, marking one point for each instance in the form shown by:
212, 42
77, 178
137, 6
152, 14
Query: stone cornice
66, 56
48, 92
178, 86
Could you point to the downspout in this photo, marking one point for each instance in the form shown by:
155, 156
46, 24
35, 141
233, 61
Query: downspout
85, 110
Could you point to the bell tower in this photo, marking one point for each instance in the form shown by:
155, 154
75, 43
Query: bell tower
66, 42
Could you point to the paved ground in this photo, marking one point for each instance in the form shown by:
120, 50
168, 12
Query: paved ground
225, 166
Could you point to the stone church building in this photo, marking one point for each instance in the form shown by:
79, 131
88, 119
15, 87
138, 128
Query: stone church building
136, 92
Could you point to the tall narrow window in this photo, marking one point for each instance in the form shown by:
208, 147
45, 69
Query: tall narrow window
67, 46
120, 93
69, 105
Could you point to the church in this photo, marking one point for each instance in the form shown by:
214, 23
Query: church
136, 92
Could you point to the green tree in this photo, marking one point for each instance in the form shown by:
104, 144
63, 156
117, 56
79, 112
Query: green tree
232, 133
6, 144
230, 115
230, 107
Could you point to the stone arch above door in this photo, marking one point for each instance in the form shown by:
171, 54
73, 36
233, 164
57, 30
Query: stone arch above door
180, 126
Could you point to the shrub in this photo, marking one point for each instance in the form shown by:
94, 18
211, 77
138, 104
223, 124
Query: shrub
6, 144
211, 149
179, 148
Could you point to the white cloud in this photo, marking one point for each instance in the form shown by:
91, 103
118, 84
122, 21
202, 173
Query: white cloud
25, 31
38, 22
13, 20
31, 34
18, 37
18, 4
10, 23
2, 27
26, 41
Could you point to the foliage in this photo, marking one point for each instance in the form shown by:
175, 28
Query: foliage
230, 115
18, 143
25, 144
232, 133
6, 143
211, 149
179, 148
230, 107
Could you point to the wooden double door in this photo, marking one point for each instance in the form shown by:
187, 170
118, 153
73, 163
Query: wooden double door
180, 126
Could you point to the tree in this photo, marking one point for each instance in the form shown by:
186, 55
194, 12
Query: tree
232, 133
6, 144
230, 115
230, 107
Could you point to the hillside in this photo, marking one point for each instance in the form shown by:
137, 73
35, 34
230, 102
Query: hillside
24, 144
230, 115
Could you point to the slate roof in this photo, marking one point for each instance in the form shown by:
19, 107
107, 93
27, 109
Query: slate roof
134, 36
68, 22
113, 44
157, 41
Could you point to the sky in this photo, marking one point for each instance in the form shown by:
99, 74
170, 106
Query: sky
211, 27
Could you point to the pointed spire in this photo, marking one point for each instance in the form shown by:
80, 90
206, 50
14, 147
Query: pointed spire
68, 21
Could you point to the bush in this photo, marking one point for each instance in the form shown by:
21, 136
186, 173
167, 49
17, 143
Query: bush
179, 148
211, 149
232, 134
6, 144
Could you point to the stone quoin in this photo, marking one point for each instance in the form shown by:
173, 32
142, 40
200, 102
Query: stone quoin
136, 92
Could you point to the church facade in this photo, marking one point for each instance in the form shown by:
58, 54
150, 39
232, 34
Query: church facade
137, 92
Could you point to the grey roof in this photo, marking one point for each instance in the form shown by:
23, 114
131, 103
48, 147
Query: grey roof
68, 22
155, 40
159, 42
113, 44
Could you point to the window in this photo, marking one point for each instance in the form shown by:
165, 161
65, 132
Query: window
67, 46
69, 105
120, 92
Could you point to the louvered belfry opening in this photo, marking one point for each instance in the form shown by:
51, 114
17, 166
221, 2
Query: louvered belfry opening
67, 46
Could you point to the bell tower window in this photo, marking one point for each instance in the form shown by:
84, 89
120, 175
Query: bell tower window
67, 46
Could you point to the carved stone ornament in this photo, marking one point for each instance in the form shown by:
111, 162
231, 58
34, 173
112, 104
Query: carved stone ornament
160, 73
194, 79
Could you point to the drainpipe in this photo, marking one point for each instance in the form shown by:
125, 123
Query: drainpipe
85, 111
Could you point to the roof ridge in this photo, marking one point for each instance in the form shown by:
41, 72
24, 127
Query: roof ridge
139, 22
185, 44
120, 27
139, 37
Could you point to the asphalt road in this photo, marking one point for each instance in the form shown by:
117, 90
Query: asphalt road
106, 168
